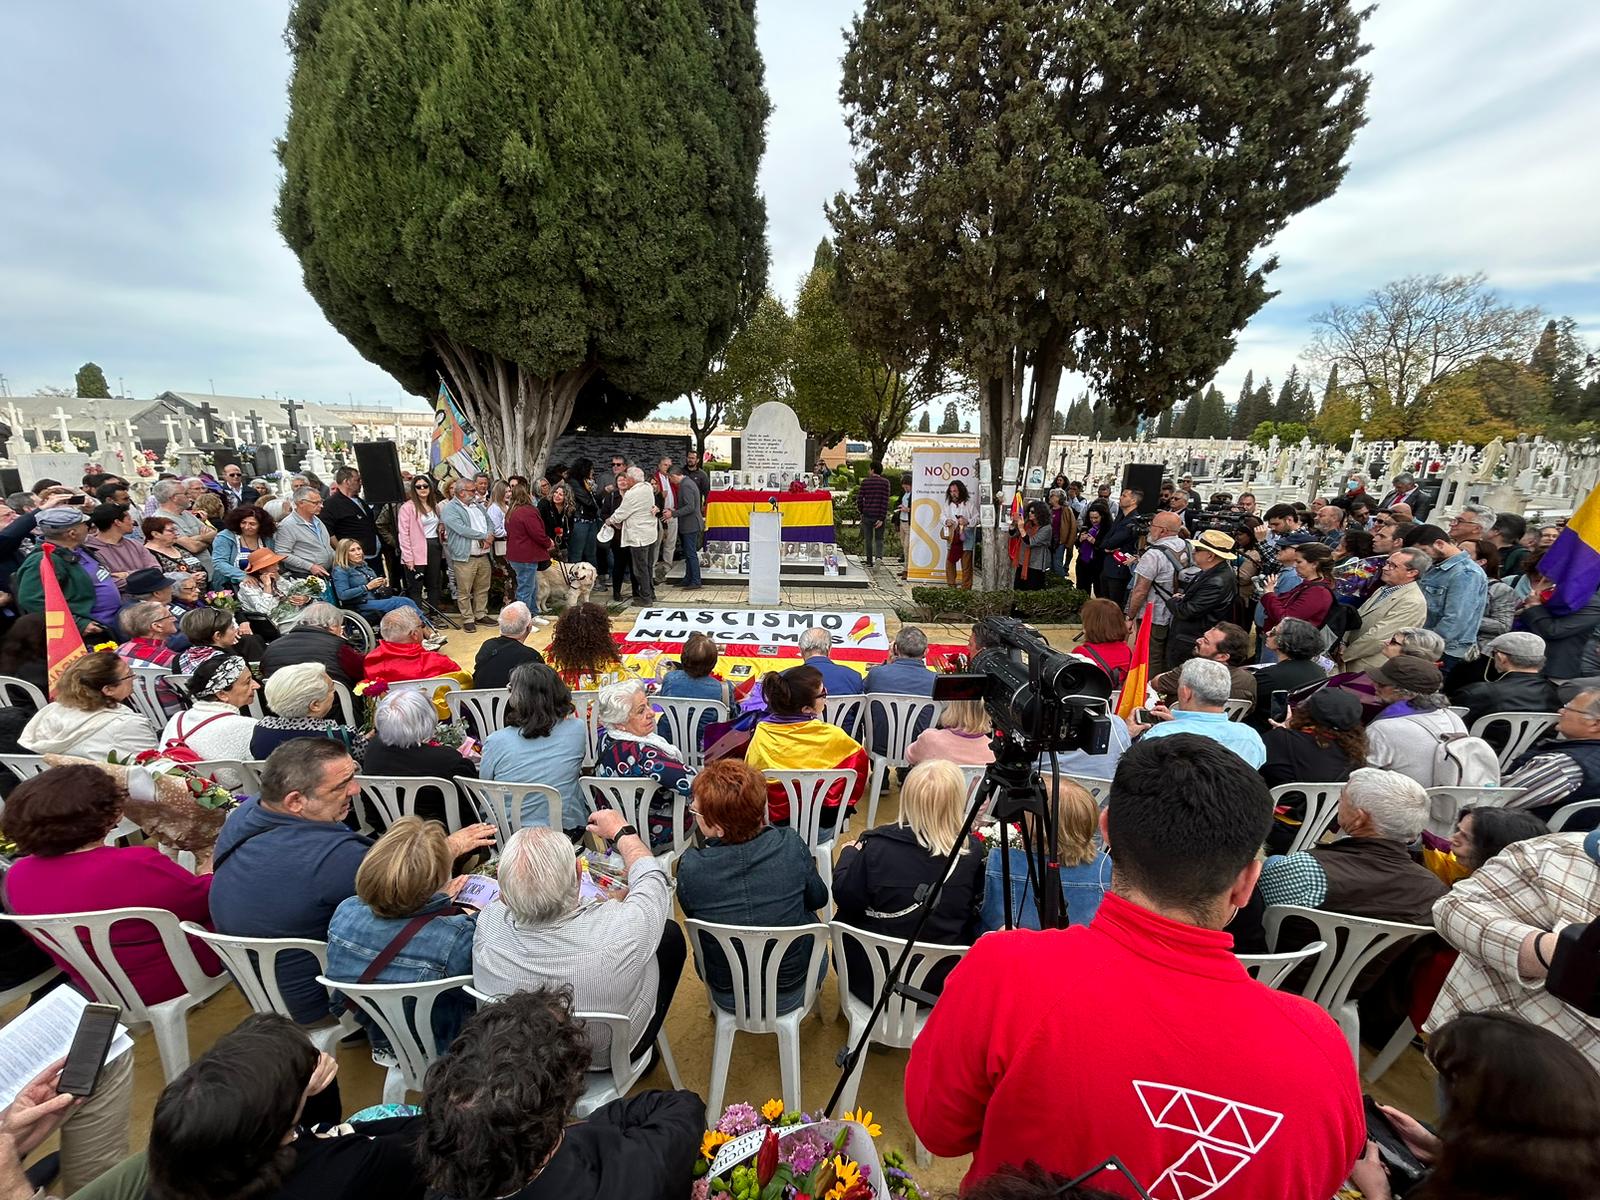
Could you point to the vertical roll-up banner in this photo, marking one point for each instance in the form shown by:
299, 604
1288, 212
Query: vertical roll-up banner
932, 469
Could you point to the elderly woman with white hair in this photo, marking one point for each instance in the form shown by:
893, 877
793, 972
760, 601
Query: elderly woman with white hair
301, 697
621, 956
631, 748
405, 743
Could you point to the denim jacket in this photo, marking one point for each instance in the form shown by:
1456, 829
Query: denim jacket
440, 949
1457, 592
350, 585
1082, 886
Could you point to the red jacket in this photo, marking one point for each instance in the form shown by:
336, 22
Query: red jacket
394, 661
1140, 1037
1310, 601
526, 539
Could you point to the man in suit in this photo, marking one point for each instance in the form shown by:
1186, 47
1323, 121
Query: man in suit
1397, 604
347, 515
691, 526
1406, 491
1122, 535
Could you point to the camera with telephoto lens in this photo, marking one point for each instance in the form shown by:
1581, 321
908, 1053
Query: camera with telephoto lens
1229, 519
1038, 698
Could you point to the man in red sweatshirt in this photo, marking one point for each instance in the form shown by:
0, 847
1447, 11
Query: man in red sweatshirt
1140, 1035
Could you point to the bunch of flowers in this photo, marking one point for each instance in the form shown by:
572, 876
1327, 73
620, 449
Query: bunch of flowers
1355, 581
451, 734
226, 601
310, 587
206, 792
800, 1157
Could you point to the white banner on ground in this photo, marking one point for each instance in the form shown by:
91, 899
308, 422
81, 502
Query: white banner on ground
757, 626
932, 469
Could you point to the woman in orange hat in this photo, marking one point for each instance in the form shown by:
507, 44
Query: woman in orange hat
271, 609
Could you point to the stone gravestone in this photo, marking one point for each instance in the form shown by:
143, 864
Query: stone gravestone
773, 447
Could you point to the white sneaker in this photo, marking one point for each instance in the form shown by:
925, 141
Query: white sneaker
435, 642
541, 621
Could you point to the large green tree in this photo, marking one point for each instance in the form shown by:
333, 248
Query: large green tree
1082, 184
1402, 340
528, 198
91, 382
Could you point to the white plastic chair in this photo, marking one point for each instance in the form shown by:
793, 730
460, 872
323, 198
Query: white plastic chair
1351, 943
1460, 710
624, 1071
896, 717
253, 963
1392, 1050
901, 1020
974, 780
631, 797
28, 986
848, 712
347, 705
25, 766
1238, 710
584, 707
684, 718
502, 801
1273, 969
1525, 728
1563, 815
1445, 804
395, 796
429, 686
408, 1027
754, 957
1322, 805
14, 691
806, 791
146, 681
97, 965
485, 706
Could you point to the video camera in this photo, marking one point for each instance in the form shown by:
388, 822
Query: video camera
1230, 519
1039, 697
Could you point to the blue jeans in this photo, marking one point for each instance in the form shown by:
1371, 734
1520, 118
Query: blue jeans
582, 546
392, 603
691, 560
527, 584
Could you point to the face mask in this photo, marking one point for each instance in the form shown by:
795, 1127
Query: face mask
1351, 486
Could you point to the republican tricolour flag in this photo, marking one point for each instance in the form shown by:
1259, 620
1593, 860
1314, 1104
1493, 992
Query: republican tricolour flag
63, 644
1137, 681
1573, 561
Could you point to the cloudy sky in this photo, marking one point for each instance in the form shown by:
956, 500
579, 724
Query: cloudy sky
136, 203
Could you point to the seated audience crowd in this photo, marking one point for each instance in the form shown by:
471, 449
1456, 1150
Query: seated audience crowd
1428, 678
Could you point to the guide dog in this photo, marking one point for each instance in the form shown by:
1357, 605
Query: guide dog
573, 580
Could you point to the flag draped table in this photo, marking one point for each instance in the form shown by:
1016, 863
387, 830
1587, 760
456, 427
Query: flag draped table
807, 516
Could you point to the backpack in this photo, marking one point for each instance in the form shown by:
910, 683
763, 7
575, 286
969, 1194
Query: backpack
1462, 760
1182, 573
1342, 620
178, 749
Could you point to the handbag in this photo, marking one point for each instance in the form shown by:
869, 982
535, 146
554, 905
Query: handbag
398, 943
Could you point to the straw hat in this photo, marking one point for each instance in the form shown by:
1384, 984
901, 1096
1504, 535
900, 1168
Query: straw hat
1216, 541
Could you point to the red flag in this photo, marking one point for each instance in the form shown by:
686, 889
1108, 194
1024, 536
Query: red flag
63, 644
1137, 680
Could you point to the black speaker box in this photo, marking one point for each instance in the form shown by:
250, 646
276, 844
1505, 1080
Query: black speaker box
1147, 478
379, 464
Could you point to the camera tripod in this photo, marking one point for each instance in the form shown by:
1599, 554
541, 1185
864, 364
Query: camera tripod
1011, 789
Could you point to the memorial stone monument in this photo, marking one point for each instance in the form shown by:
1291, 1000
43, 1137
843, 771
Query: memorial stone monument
773, 445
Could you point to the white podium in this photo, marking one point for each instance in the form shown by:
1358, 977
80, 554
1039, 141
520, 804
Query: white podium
766, 552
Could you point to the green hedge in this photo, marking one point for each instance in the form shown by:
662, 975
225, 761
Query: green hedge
1057, 603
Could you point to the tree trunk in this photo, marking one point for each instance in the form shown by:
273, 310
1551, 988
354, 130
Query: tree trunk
516, 415
1046, 386
702, 429
999, 434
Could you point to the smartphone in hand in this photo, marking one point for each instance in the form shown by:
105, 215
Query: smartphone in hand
1279, 710
96, 1027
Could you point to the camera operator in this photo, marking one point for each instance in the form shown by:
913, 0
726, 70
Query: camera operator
1020, 1061
1504, 920
1206, 599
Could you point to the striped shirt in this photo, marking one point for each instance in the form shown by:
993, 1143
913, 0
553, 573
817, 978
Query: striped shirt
1537, 886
